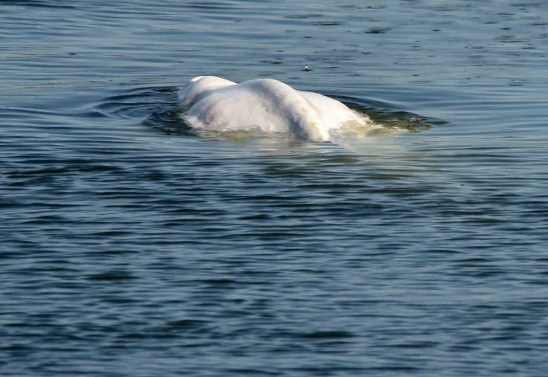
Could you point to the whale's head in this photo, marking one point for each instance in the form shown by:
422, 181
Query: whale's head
199, 87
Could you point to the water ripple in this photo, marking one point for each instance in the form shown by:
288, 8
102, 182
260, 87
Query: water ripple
132, 246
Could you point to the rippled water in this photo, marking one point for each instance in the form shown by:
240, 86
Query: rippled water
131, 247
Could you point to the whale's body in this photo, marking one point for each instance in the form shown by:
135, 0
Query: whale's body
216, 104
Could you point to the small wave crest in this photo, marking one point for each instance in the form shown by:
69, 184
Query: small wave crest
154, 107
136, 103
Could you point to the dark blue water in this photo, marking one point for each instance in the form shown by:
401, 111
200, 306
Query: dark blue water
129, 247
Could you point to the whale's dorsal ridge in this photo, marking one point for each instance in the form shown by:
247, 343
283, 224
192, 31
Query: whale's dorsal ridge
214, 103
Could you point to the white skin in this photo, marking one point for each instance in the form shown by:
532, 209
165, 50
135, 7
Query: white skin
216, 104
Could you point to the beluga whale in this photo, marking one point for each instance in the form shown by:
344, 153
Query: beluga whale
212, 103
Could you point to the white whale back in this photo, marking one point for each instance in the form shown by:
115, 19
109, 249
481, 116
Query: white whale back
216, 104
199, 87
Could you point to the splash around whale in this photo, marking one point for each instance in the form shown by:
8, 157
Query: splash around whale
215, 104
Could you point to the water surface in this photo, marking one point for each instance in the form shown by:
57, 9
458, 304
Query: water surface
131, 248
